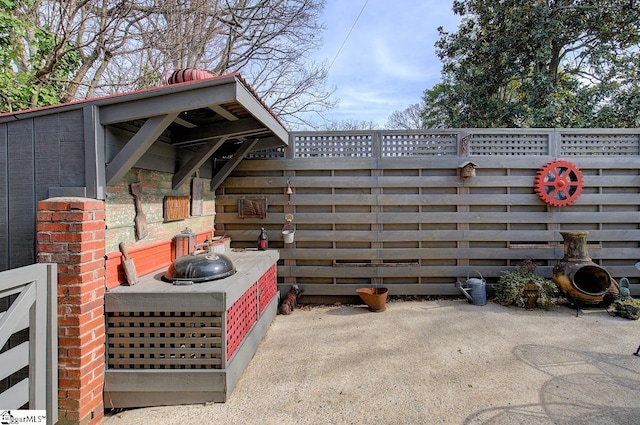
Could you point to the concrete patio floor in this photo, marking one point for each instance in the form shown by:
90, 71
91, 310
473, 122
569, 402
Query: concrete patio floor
430, 362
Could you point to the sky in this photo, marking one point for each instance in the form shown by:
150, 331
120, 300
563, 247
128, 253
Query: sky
389, 58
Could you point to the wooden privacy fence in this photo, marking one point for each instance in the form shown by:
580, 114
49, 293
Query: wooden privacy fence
389, 208
29, 339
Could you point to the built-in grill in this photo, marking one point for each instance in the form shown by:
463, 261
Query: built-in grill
201, 266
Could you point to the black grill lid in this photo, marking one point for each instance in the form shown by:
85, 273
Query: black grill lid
200, 267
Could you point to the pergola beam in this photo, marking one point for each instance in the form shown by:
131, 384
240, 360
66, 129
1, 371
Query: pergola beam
231, 130
195, 162
232, 163
223, 112
137, 146
141, 108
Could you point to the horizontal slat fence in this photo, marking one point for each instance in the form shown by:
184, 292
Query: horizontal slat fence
388, 207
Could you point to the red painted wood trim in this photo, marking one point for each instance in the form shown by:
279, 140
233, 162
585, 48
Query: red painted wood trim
147, 258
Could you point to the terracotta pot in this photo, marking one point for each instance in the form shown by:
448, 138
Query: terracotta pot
374, 298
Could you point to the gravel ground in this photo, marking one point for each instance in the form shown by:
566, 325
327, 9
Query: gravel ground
430, 362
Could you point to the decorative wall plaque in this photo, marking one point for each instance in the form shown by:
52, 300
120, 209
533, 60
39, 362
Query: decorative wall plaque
176, 208
252, 208
197, 197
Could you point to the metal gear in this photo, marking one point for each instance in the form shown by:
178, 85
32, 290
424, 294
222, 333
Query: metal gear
558, 183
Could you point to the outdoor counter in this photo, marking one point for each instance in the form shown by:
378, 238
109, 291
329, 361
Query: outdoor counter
182, 344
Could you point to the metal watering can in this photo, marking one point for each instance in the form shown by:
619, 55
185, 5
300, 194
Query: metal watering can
478, 289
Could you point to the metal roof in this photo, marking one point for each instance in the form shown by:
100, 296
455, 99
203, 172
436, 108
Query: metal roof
219, 116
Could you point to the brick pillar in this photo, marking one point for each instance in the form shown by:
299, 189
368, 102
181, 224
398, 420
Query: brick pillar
71, 232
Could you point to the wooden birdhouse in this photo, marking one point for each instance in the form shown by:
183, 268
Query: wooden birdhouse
467, 170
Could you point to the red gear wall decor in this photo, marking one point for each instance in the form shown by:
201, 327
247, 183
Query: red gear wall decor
558, 183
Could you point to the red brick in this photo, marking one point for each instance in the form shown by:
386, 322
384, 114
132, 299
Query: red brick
75, 341
93, 389
87, 369
51, 247
61, 205
98, 414
68, 416
66, 321
87, 405
69, 404
86, 204
71, 216
75, 374
87, 267
53, 205
93, 265
93, 288
67, 383
100, 348
44, 258
86, 226
85, 412
68, 341
61, 258
83, 326
76, 320
71, 278
43, 237
91, 355
72, 231
43, 207
87, 246
70, 362
63, 352
44, 216
90, 351
74, 352
73, 237
44, 226
74, 307
72, 393
80, 257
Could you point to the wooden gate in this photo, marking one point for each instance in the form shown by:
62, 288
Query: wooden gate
29, 339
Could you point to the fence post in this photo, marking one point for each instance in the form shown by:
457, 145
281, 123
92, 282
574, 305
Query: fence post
289, 151
554, 143
71, 232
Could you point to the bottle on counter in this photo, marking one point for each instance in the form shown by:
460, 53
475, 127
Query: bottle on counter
263, 242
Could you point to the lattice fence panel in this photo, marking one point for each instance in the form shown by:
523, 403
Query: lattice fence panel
241, 317
507, 144
267, 154
164, 340
267, 288
412, 145
340, 146
600, 144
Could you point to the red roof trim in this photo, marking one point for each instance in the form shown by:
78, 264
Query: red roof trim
235, 75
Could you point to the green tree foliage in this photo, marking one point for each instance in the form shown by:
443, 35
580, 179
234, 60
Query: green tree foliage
33, 70
539, 63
